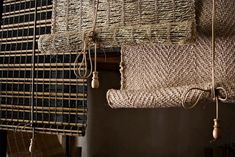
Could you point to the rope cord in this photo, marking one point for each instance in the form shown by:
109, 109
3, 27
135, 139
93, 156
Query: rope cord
80, 73
33, 77
213, 50
214, 91
95, 58
88, 41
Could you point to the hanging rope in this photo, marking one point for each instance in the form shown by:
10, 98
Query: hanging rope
32, 142
79, 71
33, 78
81, 68
214, 91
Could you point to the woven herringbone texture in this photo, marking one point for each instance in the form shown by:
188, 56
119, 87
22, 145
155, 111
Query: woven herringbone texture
119, 22
158, 76
225, 19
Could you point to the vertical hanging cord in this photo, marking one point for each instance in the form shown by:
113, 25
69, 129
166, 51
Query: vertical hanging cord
214, 89
95, 78
213, 55
216, 131
33, 70
213, 61
213, 50
88, 41
95, 58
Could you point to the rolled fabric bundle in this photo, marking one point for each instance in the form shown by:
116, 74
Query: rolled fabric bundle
109, 37
155, 76
159, 98
166, 97
119, 22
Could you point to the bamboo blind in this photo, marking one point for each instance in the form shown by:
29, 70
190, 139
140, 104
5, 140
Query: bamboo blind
37, 90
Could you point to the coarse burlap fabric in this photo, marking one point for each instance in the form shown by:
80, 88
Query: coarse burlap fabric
155, 76
119, 22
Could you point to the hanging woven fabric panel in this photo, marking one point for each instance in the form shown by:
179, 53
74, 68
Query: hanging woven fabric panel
155, 76
119, 22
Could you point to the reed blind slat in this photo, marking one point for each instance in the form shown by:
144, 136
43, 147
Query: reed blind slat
37, 90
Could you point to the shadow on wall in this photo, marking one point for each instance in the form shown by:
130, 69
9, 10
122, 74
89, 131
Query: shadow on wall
171, 132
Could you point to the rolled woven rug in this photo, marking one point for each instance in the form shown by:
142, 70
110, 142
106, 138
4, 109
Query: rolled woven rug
155, 76
119, 22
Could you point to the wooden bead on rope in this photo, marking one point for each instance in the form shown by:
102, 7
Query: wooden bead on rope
95, 80
217, 130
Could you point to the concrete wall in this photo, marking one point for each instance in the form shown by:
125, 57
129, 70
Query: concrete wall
172, 132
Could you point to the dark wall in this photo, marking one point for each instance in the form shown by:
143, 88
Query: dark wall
172, 132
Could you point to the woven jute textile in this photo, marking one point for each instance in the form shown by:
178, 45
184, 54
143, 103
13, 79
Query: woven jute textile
158, 76
224, 20
119, 22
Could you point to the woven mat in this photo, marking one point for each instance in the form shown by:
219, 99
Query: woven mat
119, 22
158, 75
